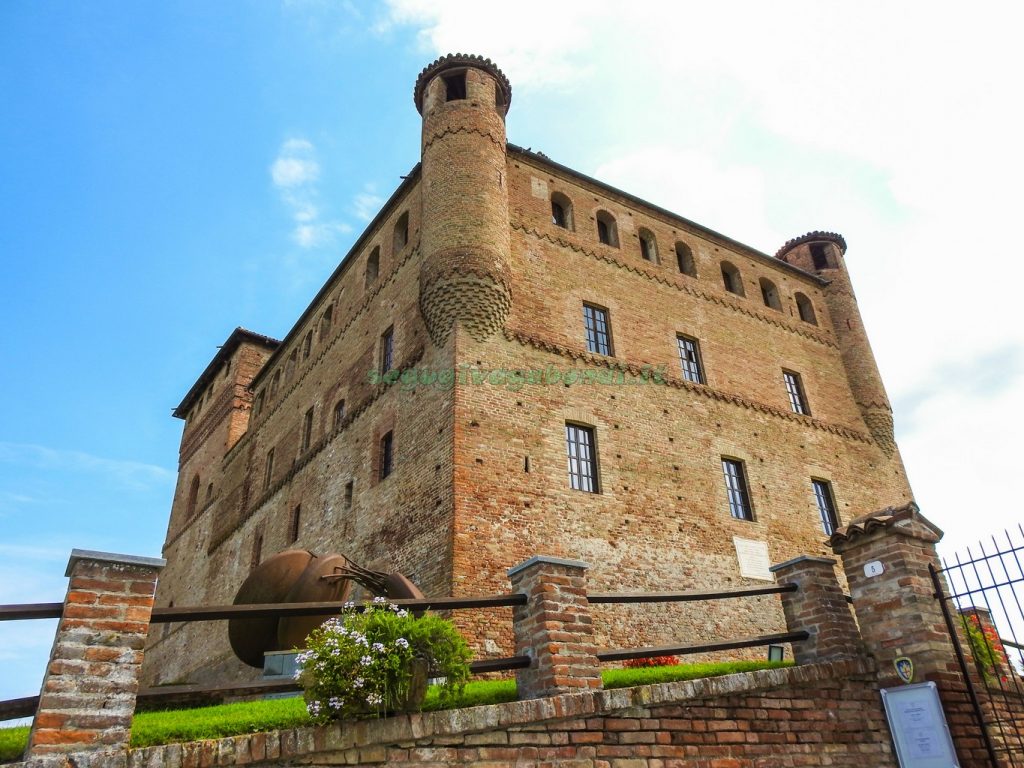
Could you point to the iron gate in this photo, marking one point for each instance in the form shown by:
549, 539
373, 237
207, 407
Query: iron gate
982, 602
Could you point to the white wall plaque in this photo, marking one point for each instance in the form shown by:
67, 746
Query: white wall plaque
918, 726
538, 187
753, 558
874, 568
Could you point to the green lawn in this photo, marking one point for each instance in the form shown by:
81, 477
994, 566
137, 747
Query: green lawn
150, 728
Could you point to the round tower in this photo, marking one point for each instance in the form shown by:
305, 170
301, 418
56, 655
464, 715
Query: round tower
821, 253
464, 236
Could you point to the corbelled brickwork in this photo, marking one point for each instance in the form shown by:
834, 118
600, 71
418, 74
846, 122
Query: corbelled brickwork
826, 714
88, 692
470, 273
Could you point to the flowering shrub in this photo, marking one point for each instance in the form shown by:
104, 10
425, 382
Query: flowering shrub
651, 661
986, 648
376, 658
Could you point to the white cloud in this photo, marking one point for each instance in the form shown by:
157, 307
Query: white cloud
295, 172
131, 474
367, 203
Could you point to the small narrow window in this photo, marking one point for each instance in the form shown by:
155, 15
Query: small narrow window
339, 413
193, 498
598, 331
268, 469
731, 279
805, 309
227, 368
684, 259
455, 86
607, 232
401, 236
561, 211
795, 390
819, 256
770, 294
349, 488
209, 491
386, 454
582, 457
257, 551
307, 430
325, 321
257, 407
289, 369
648, 246
826, 505
372, 267
387, 350
736, 489
293, 524
307, 345
275, 382
689, 359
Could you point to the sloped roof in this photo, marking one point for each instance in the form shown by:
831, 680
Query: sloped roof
909, 515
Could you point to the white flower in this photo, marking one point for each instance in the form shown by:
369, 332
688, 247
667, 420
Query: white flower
313, 708
402, 642
394, 607
357, 683
379, 600
334, 702
378, 647
374, 699
402, 613
366, 661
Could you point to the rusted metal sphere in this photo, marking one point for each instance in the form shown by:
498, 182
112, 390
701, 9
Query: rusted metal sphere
312, 587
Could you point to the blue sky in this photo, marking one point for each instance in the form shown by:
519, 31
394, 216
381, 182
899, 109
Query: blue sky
172, 170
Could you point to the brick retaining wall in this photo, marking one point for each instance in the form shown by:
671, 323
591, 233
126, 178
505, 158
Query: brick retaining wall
822, 714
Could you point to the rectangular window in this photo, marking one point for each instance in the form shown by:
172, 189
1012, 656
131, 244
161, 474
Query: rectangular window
325, 322
599, 336
339, 413
349, 488
826, 505
293, 524
307, 430
795, 389
386, 455
387, 350
257, 551
689, 359
268, 472
736, 489
258, 405
582, 457
307, 345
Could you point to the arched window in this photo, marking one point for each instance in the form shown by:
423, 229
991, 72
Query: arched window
209, 491
372, 267
805, 308
607, 231
731, 279
819, 256
275, 382
648, 246
289, 369
401, 233
770, 294
193, 498
561, 211
325, 322
684, 259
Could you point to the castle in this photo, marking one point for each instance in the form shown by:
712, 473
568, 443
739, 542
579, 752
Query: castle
514, 359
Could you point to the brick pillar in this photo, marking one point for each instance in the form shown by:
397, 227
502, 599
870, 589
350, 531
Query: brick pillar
818, 607
88, 694
554, 628
886, 561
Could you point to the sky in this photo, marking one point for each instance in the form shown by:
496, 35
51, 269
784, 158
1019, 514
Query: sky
172, 170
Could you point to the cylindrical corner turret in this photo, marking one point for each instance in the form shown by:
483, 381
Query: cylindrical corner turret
822, 253
465, 234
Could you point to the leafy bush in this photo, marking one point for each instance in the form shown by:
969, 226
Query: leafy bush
377, 658
986, 648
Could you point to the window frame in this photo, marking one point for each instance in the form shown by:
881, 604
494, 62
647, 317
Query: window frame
692, 370
339, 413
586, 476
386, 457
609, 235
648, 246
796, 392
386, 359
685, 258
825, 500
737, 489
592, 333
294, 522
268, 469
307, 429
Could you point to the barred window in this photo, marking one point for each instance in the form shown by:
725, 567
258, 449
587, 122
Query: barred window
736, 489
689, 358
595, 322
387, 350
795, 390
582, 457
826, 505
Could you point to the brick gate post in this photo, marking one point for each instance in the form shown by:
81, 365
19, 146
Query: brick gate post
819, 607
88, 694
554, 628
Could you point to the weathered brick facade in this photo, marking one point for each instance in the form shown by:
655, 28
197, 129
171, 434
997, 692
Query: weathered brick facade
467, 268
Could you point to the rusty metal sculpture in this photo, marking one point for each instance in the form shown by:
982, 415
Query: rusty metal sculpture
300, 576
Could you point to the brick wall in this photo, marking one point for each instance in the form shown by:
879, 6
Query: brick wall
771, 719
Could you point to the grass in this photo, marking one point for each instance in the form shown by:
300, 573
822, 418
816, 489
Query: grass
149, 728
